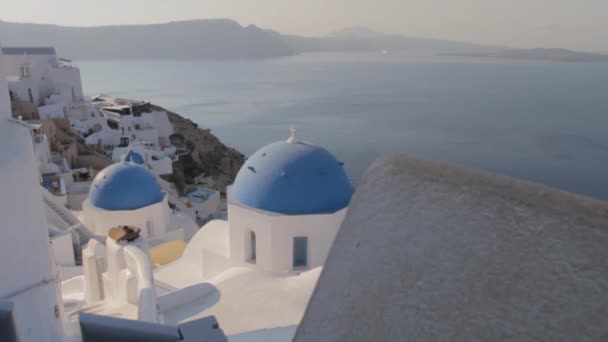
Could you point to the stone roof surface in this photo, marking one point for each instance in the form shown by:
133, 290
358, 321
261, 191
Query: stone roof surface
430, 251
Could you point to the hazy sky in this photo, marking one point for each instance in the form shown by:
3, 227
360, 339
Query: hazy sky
577, 24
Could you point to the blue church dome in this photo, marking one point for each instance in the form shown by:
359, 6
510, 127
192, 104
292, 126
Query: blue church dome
293, 179
125, 186
134, 157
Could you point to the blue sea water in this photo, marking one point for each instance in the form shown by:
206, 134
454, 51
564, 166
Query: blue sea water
540, 121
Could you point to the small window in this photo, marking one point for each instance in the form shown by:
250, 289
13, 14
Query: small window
250, 248
252, 253
112, 124
300, 252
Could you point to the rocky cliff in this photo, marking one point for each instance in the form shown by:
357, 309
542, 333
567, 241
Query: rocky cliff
72, 147
204, 159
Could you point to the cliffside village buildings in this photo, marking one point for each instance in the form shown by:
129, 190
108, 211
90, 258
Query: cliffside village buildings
128, 246
77, 136
98, 246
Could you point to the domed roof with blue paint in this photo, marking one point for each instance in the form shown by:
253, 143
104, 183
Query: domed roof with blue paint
134, 157
293, 178
125, 186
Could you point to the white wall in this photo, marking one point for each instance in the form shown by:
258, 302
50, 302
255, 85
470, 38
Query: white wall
75, 201
43, 154
209, 249
5, 102
274, 237
25, 257
154, 128
160, 120
39, 67
63, 249
38, 64
55, 110
67, 80
320, 230
150, 135
84, 111
20, 87
162, 166
48, 76
109, 136
241, 222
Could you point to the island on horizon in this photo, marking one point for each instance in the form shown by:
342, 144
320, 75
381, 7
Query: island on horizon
198, 39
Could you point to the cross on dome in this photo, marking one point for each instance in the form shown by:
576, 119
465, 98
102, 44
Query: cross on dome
292, 138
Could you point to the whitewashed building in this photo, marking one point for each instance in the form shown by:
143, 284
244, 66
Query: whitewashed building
122, 124
126, 193
286, 206
36, 75
31, 285
146, 155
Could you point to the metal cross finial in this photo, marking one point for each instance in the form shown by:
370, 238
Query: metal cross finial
292, 138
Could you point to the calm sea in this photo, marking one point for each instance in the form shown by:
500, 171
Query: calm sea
545, 122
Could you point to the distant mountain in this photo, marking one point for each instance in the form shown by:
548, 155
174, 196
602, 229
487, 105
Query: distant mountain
356, 32
561, 55
365, 39
227, 39
217, 39
545, 54
213, 39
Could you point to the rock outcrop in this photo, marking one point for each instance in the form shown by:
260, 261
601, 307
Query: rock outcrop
72, 147
204, 159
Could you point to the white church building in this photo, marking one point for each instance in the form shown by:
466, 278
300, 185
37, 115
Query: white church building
36, 75
285, 207
121, 125
126, 193
284, 211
